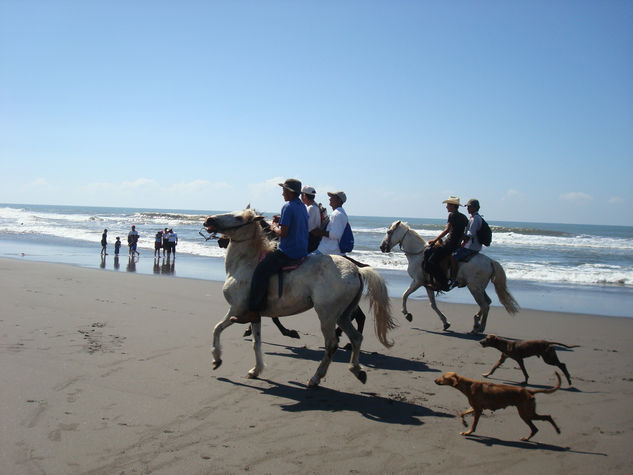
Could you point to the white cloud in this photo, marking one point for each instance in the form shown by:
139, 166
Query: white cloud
511, 192
577, 197
38, 183
265, 187
616, 200
138, 183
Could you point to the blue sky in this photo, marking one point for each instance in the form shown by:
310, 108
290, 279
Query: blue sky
526, 105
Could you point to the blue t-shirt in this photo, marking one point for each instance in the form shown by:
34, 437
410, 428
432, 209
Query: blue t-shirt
295, 217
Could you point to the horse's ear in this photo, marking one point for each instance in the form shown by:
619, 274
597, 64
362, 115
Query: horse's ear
258, 218
248, 206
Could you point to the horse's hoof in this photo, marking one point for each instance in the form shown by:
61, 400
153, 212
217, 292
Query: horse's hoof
447, 325
293, 334
216, 364
252, 374
247, 332
312, 385
409, 317
362, 376
348, 347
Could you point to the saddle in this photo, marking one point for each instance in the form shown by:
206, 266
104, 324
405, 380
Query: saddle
437, 274
284, 270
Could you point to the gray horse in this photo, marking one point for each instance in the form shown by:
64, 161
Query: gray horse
474, 274
331, 284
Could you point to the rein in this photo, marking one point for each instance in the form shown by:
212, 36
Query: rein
402, 247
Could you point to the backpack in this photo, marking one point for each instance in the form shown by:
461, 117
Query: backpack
346, 243
484, 234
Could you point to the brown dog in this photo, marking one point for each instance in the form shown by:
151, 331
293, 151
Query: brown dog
519, 349
493, 396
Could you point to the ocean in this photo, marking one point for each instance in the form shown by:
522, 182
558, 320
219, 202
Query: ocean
550, 266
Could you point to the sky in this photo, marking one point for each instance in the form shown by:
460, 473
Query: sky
208, 105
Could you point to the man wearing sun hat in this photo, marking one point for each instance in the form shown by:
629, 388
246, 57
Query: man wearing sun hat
292, 229
454, 230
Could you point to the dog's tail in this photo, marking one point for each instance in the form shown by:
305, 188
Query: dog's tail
547, 391
555, 343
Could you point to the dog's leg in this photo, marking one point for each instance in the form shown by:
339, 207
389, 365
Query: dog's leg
548, 418
462, 414
551, 358
522, 366
499, 363
477, 413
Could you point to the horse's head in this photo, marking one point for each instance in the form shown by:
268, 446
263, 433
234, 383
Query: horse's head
231, 223
394, 235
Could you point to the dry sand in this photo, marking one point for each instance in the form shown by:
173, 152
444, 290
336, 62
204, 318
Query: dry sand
105, 372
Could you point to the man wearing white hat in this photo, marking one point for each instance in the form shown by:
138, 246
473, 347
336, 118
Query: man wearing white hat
454, 230
314, 217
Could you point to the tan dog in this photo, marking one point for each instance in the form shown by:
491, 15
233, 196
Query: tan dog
519, 349
492, 396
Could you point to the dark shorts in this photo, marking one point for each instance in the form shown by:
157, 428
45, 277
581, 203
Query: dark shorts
463, 254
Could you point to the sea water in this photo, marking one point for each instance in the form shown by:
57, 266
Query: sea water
550, 266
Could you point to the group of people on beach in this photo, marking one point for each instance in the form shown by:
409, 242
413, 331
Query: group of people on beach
304, 228
165, 240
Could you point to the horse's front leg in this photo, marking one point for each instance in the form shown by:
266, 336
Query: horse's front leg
431, 295
216, 349
415, 285
256, 328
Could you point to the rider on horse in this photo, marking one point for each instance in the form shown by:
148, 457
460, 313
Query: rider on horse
292, 229
455, 227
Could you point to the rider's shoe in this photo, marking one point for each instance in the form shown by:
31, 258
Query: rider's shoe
249, 317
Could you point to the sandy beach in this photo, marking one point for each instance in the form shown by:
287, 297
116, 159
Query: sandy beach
106, 372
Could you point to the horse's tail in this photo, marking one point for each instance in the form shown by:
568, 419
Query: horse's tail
499, 280
379, 303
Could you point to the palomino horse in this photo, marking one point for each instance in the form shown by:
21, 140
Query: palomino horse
474, 274
331, 284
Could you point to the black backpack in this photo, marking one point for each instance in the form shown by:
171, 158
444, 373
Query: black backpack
484, 234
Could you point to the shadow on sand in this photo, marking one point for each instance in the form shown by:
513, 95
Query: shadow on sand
370, 405
372, 360
530, 445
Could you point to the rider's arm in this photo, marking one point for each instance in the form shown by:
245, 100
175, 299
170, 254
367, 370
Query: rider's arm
441, 235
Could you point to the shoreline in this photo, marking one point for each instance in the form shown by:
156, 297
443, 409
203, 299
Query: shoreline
111, 373
605, 300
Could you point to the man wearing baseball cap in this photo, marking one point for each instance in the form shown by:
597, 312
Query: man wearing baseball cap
292, 229
338, 220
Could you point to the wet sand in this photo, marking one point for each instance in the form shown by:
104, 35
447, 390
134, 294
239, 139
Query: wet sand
106, 372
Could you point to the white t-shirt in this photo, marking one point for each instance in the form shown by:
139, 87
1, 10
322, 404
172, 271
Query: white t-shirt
336, 226
314, 217
474, 225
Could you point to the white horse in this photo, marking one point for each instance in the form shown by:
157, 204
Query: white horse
474, 274
331, 284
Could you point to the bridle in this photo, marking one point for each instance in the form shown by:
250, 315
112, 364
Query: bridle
390, 233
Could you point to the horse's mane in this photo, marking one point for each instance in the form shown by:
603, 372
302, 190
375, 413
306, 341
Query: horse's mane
263, 241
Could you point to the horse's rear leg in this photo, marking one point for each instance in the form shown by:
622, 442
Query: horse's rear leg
356, 339
216, 349
481, 317
331, 344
